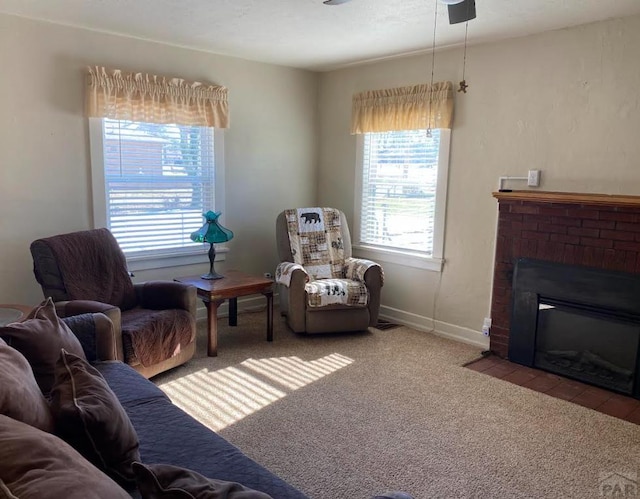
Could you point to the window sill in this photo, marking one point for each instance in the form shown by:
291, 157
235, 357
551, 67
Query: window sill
399, 257
173, 260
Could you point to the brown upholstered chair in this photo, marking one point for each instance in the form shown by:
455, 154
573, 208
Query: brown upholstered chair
86, 271
321, 287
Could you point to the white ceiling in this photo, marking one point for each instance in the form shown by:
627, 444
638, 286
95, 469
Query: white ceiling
307, 33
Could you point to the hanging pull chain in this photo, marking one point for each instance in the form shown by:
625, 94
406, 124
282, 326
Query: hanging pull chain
463, 83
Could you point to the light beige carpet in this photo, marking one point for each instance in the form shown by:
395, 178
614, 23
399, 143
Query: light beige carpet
349, 416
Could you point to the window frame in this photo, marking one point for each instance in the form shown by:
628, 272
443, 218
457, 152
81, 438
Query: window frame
99, 202
407, 258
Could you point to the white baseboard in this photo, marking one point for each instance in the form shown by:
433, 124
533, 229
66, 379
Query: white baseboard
422, 323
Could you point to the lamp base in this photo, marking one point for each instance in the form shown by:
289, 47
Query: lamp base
212, 272
211, 276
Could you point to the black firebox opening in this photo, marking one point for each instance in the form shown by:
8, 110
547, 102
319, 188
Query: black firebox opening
578, 322
595, 346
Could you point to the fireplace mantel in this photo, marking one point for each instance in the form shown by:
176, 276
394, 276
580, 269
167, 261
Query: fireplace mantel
568, 198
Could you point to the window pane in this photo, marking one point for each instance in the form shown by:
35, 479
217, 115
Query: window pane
159, 180
400, 174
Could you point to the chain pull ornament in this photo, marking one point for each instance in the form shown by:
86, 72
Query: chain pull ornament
463, 83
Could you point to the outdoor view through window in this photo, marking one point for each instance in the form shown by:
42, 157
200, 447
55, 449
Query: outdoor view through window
159, 180
399, 181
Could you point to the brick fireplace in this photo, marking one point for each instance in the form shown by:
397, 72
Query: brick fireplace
591, 230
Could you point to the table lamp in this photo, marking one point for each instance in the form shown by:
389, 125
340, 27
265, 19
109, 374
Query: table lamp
212, 232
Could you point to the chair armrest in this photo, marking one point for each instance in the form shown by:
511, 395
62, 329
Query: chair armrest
285, 272
374, 277
363, 270
77, 307
96, 335
162, 295
296, 300
372, 274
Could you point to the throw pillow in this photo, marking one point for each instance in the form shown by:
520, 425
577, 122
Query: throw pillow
20, 397
163, 481
89, 416
35, 464
39, 338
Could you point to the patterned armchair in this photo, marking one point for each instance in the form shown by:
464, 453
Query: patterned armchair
321, 287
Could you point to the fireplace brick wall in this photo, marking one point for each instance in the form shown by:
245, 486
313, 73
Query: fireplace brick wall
576, 229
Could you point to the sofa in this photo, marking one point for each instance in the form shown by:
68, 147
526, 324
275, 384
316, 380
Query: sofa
165, 436
192, 446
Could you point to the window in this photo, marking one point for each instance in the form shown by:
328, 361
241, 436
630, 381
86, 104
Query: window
152, 183
401, 196
156, 161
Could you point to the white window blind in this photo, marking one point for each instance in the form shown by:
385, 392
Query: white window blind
399, 187
159, 180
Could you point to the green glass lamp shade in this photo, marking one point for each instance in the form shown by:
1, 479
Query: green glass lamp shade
212, 232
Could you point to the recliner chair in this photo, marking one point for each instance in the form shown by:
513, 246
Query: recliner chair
86, 272
322, 288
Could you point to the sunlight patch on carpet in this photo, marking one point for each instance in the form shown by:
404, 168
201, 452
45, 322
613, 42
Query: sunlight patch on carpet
293, 372
220, 398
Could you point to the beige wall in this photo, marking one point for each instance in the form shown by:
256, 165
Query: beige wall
45, 177
566, 102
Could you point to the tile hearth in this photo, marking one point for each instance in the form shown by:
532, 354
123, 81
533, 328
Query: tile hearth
600, 400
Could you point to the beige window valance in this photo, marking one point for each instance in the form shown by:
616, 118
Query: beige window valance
403, 108
155, 99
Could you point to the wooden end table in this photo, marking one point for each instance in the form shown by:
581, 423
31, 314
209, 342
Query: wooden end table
234, 284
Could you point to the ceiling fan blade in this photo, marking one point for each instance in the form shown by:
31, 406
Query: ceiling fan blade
462, 12
334, 2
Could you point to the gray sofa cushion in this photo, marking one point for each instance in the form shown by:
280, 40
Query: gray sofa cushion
168, 435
